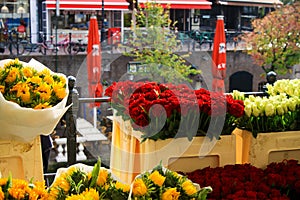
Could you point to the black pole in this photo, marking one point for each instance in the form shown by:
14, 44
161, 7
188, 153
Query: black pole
102, 20
56, 38
71, 116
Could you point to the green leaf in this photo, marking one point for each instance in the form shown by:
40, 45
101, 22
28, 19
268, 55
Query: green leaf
95, 173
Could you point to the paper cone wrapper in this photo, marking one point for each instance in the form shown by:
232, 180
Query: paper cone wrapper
24, 124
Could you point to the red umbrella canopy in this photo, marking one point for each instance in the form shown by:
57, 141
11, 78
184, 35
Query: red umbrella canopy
219, 56
93, 34
94, 59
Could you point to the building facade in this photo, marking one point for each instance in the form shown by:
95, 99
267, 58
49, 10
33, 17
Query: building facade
13, 13
61, 17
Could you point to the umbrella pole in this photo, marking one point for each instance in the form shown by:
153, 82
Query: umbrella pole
102, 20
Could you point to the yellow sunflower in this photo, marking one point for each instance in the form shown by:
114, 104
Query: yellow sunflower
102, 177
122, 186
157, 178
139, 187
23, 91
44, 90
13, 74
170, 194
189, 188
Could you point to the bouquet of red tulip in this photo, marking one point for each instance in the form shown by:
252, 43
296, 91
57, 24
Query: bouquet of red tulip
162, 111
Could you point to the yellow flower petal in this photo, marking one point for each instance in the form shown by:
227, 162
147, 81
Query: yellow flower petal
139, 187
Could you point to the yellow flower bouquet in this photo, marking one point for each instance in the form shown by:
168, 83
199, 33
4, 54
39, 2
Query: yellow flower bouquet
164, 184
19, 189
32, 99
81, 181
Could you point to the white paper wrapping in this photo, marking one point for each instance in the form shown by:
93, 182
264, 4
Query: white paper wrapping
83, 167
24, 124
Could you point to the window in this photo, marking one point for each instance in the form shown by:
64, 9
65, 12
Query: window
117, 19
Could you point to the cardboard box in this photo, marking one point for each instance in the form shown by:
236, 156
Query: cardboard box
130, 157
23, 160
182, 155
267, 147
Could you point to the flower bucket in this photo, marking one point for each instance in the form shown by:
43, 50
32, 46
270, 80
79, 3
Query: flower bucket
274, 147
130, 156
22, 160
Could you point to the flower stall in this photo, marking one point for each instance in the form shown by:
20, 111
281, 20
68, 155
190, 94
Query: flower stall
81, 181
269, 130
278, 180
32, 101
164, 122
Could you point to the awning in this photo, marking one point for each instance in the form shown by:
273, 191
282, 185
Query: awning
183, 4
88, 5
262, 3
123, 5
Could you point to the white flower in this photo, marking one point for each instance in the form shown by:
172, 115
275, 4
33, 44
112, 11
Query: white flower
248, 110
279, 110
238, 95
256, 111
270, 109
292, 103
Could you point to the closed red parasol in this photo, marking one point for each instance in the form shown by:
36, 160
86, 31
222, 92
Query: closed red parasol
219, 57
94, 60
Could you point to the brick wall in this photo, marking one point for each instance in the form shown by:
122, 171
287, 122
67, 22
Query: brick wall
115, 66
